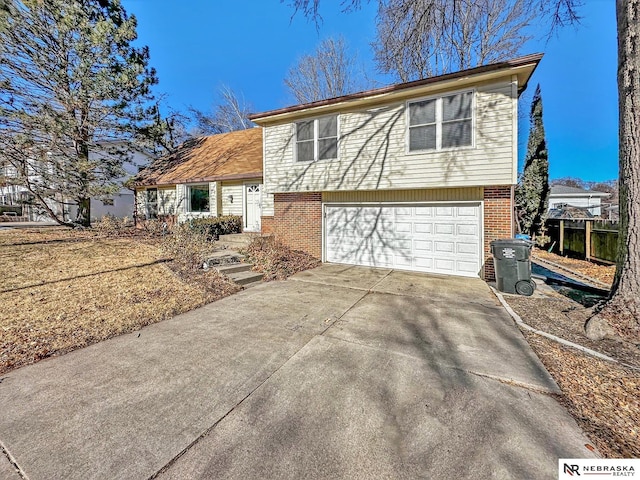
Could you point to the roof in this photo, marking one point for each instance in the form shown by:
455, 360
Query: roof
227, 156
523, 67
564, 190
569, 212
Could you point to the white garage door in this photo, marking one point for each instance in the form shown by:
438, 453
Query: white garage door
442, 238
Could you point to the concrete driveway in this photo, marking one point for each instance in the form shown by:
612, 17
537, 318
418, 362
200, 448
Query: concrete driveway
339, 372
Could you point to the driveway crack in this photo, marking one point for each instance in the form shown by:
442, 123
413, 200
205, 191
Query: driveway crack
232, 409
5, 452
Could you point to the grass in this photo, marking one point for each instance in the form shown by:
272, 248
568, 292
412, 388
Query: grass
62, 290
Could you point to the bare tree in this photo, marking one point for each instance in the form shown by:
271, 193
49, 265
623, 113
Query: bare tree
327, 73
422, 38
229, 114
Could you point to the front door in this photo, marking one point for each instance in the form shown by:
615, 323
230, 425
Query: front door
252, 207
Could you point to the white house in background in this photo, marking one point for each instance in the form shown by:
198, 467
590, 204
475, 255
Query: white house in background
562, 196
120, 204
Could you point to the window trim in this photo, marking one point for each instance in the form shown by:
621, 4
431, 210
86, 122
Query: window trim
188, 195
316, 139
439, 121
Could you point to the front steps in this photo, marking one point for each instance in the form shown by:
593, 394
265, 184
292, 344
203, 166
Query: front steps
236, 241
230, 264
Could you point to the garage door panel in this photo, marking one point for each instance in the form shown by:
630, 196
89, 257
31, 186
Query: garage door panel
444, 212
445, 265
470, 268
442, 238
469, 230
444, 228
466, 248
423, 263
444, 247
469, 212
423, 228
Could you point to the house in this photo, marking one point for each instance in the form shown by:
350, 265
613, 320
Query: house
417, 176
119, 204
207, 176
561, 196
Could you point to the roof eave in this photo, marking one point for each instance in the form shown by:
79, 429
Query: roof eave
523, 67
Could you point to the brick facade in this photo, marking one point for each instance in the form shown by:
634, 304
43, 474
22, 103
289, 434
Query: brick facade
297, 221
267, 225
498, 222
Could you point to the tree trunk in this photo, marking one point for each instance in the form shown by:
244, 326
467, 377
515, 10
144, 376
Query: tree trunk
84, 212
622, 310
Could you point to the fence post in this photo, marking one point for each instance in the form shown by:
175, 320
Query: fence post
587, 239
561, 241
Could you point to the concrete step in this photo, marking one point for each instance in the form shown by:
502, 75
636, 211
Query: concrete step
236, 239
234, 268
246, 279
223, 257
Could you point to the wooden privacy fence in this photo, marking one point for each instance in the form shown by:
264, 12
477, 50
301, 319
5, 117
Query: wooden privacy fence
591, 239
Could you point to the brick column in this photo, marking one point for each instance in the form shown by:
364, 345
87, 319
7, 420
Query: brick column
498, 222
297, 221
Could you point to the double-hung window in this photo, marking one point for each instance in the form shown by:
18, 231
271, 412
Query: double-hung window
441, 123
317, 139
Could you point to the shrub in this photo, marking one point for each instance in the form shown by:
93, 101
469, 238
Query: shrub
277, 261
213, 227
111, 226
188, 247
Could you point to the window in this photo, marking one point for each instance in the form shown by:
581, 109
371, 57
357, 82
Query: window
152, 203
107, 202
444, 122
198, 196
317, 139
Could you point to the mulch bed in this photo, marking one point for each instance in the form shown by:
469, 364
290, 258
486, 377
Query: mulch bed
601, 273
603, 397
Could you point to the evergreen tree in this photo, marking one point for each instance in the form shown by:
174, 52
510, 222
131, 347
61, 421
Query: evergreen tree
532, 192
70, 84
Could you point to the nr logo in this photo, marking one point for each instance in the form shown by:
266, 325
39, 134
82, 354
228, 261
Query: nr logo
572, 469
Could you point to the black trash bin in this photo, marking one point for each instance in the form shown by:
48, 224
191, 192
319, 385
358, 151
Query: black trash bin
512, 262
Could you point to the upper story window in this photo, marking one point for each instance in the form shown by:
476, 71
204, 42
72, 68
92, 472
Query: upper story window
317, 139
440, 123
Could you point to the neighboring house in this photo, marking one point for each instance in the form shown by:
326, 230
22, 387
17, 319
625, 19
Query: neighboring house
119, 204
561, 196
207, 176
417, 176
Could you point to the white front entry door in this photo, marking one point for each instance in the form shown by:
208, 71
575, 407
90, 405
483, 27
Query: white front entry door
435, 238
252, 207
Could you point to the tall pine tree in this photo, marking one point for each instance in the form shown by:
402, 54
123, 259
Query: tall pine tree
532, 192
70, 84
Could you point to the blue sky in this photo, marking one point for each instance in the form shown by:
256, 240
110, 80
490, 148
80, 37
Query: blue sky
199, 45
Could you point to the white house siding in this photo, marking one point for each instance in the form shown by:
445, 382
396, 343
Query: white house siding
372, 151
267, 204
235, 207
167, 201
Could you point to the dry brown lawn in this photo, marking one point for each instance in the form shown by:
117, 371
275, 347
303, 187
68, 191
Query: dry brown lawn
62, 290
